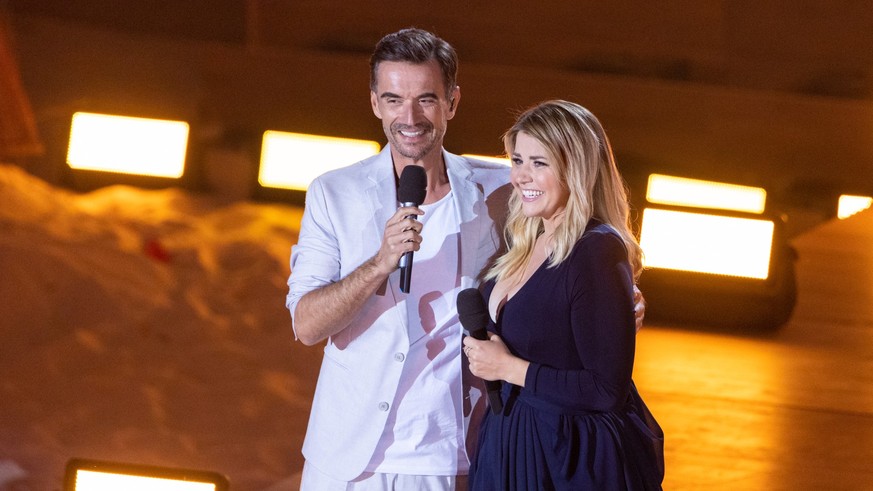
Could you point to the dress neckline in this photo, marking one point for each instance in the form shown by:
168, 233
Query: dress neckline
506, 299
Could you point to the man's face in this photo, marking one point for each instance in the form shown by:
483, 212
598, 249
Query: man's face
410, 99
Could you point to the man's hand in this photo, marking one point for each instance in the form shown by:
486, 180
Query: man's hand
402, 234
326, 311
639, 308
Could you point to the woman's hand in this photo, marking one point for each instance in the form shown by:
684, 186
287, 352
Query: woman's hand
491, 360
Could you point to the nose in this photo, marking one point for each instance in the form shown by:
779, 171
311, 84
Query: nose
519, 173
408, 113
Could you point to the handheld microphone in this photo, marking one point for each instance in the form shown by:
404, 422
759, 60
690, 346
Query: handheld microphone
474, 317
411, 192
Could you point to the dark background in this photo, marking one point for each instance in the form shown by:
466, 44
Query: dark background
774, 94
148, 325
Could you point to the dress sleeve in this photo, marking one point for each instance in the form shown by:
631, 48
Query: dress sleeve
315, 258
600, 292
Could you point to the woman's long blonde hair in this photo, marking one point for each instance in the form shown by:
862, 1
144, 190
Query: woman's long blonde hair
581, 156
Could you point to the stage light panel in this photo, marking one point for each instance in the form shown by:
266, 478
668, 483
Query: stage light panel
94, 475
849, 205
128, 145
680, 191
102, 481
497, 160
293, 160
703, 243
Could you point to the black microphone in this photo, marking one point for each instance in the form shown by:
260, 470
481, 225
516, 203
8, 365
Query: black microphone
411, 192
474, 317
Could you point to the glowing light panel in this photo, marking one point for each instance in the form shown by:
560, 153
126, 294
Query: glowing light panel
293, 160
669, 190
849, 205
497, 160
123, 144
106, 481
706, 243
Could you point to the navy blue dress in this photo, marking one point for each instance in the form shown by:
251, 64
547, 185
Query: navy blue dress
578, 423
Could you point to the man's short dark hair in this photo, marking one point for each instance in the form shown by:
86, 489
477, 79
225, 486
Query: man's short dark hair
416, 46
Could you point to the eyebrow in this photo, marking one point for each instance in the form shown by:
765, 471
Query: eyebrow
532, 157
392, 95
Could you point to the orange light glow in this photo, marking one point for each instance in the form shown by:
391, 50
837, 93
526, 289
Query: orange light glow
107, 481
487, 158
707, 243
849, 205
669, 190
293, 160
150, 147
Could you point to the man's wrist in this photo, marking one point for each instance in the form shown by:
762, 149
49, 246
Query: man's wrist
379, 268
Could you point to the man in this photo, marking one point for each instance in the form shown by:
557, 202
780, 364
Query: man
393, 402
391, 410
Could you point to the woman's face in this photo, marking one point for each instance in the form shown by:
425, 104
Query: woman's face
534, 179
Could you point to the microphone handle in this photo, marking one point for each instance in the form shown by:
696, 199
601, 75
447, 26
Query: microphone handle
406, 259
405, 271
493, 388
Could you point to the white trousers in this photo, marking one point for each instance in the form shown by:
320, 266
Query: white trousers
315, 480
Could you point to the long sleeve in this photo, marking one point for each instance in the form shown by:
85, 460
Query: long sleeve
598, 284
578, 422
315, 256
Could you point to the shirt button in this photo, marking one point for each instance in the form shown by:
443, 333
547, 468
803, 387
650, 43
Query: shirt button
383, 406
399, 357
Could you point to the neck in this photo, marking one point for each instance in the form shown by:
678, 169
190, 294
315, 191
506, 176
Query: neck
550, 225
435, 170
544, 241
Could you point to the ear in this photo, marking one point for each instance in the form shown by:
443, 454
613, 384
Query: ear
454, 99
374, 104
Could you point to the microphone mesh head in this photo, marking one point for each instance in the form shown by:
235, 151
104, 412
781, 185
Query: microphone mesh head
413, 185
471, 309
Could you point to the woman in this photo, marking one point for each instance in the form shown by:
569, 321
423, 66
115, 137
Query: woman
562, 311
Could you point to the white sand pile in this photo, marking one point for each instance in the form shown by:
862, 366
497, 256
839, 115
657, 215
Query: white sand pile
149, 327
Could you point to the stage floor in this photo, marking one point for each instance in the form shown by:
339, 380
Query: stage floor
786, 411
